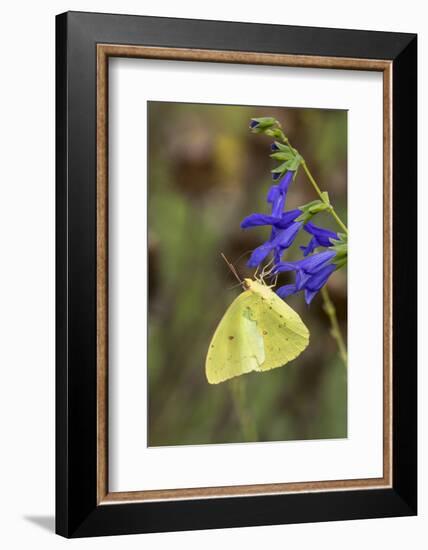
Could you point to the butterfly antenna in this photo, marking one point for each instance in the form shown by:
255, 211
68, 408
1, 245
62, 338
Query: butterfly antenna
234, 286
232, 268
247, 252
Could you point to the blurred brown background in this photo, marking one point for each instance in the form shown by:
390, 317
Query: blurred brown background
206, 173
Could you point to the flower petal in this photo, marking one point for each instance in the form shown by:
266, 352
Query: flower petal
318, 279
259, 254
323, 236
272, 193
286, 237
313, 263
287, 218
254, 220
310, 295
301, 279
277, 199
285, 266
281, 222
286, 290
310, 247
284, 184
277, 253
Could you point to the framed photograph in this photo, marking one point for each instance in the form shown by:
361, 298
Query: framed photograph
236, 274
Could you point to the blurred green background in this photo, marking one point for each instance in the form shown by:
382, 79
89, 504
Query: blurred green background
206, 173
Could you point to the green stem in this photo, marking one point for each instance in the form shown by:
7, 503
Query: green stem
319, 192
330, 311
238, 393
328, 305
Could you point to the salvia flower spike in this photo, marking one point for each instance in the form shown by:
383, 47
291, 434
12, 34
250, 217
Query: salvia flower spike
314, 269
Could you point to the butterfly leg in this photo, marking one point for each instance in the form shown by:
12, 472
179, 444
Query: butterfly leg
266, 271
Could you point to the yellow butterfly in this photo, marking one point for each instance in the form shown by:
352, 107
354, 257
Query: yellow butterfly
258, 332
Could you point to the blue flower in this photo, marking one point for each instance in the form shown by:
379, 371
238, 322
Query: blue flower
284, 226
277, 194
311, 274
314, 269
320, 237
280, 241
280, 222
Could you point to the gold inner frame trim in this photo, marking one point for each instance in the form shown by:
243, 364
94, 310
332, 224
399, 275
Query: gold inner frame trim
104, 51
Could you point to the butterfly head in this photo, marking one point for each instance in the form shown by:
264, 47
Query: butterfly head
248, 283
258, 286
254, 285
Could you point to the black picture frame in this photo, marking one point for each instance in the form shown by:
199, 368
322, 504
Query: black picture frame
78, 513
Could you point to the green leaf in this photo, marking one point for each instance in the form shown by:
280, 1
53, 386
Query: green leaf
340, 261
310, 209
281, 169
308, 205
282, 147
282, 155
295, 162
265, 121
263, 125
343, 238
304, 217
325, 197
315, 206
340, 249
275, 133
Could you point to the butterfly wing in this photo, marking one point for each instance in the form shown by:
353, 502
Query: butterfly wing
285, 335
258, 332
237, 345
